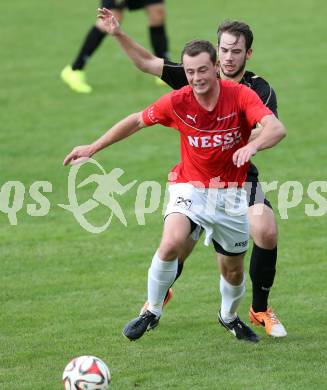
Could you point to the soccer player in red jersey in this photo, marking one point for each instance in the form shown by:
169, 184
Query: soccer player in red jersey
235, 49
214, 119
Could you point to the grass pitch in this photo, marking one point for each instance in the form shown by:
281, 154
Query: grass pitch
66, 292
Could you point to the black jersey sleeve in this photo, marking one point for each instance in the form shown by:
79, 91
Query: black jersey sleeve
262, 88
173, 74
268, 96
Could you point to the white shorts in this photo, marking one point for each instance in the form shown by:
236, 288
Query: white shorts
222, 213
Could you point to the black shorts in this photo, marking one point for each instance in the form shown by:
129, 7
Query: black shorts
221, 250
253, 188
130, 4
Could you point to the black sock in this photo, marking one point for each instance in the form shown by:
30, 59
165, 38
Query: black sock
179, 271
178, 274
159, 41
91, 43
262, 273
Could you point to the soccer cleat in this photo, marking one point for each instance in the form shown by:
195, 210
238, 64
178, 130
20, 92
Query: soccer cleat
160, 82
269, 320
239, 329
136, 328
168, 296
76, 79
155, 322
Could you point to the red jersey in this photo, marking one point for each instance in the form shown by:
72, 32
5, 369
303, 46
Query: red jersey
209, 138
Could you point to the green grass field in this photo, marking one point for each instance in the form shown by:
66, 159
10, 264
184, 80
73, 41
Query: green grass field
66, 292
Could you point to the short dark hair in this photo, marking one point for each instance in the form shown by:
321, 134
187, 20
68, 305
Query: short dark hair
198, 46
237, 29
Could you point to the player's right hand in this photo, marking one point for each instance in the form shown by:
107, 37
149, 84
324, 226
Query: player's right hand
78, 155
110, 23
243, 155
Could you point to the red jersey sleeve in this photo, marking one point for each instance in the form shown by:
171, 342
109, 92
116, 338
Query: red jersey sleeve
160, 112
252, 106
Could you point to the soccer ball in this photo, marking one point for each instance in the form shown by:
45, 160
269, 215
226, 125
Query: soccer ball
86, 373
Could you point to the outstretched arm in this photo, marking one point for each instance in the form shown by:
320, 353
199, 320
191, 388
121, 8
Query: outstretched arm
142, 58
271, 132
119, 131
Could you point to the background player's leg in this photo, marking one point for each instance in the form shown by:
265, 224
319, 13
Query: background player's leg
92, 41
263, 230
74, 75
157, 30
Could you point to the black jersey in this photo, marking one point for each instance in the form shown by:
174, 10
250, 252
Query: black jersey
262, 88
173, 74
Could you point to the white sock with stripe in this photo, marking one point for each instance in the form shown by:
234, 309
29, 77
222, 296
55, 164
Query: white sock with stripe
161, 276
231, 297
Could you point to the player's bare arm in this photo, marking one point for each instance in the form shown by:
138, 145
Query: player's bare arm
271, 132
119, 131
255, 133
142, 58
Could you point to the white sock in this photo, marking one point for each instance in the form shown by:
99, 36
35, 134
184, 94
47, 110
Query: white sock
161, 276
230, 298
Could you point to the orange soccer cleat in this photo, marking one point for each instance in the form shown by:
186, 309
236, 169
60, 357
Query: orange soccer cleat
269, 320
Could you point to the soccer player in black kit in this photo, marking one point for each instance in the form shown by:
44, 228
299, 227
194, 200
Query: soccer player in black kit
234, 49
74, 75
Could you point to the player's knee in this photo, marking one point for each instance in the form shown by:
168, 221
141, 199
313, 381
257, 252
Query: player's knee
265, 236
233, 276
269, 237
156, 16
168, 249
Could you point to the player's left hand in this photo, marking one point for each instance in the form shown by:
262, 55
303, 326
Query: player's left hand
243, 155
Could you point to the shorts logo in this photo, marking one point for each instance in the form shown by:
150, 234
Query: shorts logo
184, 203
241, 244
